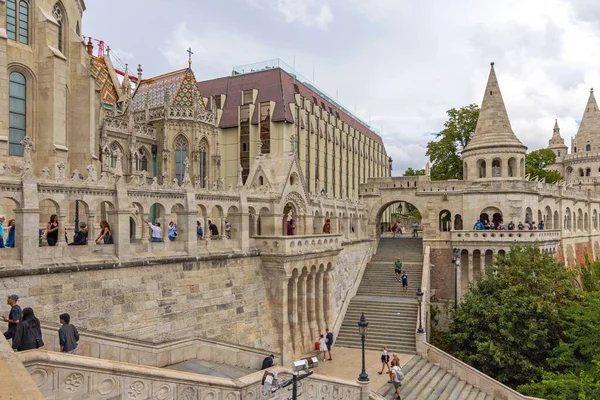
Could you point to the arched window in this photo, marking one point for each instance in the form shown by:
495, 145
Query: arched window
588, 172
17, 20
559, 153
17, 113
112, 158
481, 168
180, 156
142, 161
496, 168
203, 158
58, 14
588, 147
512, 167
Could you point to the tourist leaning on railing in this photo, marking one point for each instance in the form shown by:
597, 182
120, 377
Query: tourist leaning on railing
156, 231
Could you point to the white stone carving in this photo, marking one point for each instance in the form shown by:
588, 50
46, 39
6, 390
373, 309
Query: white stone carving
73, 382
76, 176
46, 173
91, 174
60, 176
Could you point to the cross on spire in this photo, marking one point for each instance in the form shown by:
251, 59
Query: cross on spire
190, 53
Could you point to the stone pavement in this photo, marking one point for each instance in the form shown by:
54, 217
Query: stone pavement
347, 364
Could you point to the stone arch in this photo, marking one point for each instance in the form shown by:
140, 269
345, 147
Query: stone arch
548, 218
567, 223
234, 219
481, 168
595, 219
496, 168
489, 258
289, 220
262, 226
586, 222
556, 221
444, 220
512, 167
579, 219
540, 217
522, 168
492, 214
377, 209
458, 222
528, 214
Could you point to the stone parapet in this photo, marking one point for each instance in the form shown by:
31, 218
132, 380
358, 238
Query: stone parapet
543, 238
302, 244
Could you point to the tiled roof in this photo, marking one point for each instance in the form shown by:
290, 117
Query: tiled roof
104, 83
178, 86
273, 85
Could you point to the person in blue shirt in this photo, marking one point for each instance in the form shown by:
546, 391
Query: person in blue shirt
478, 226
199, 230
329, 341
10, 238
172, 231
404, 282
541, 226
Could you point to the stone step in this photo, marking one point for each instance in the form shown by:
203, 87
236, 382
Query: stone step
438, 389
425, 382
464, 394
457, 389
449, 388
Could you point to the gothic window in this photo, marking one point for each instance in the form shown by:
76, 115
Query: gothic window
142, 161
58, 14
180, 156
112, 157
17, 20
17, 113
203, 171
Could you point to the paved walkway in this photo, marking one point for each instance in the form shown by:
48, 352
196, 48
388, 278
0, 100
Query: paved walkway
347, 364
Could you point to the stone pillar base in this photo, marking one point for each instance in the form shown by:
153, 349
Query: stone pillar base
365, 389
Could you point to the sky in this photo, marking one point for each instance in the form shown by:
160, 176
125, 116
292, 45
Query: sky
401, 64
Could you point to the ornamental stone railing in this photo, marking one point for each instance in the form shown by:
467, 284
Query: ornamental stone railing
546, 239
305, 244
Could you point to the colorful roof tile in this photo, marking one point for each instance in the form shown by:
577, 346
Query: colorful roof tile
104, 83
179, 87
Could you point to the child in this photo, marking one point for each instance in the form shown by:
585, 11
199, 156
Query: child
385, 361
323, 346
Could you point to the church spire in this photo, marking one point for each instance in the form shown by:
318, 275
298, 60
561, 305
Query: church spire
493, 126
556, 142
590, 122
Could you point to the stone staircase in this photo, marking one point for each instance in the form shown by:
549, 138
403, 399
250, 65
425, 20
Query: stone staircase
426, 381
391, 312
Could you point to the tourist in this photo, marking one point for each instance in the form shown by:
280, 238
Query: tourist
486, 225
2, 219
511, 226
397, 378
10, 237
156, 231
172, 231
14, 316
105, 235
385, 360
531, 225
526, 226
67, 335
398, 269
520, 226
415, 230
395, 359
268, 362
291, 227
81, 236
404, 282
322, 346
327, 226
199, 231
329, 340
214, 232
540, 227
399, 229
394, 227
29, 332
478, 226
227, 229
52, 230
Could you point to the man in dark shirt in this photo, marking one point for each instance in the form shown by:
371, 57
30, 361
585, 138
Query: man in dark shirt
268, 362
329, 341
67, 335
14, 316
214, 232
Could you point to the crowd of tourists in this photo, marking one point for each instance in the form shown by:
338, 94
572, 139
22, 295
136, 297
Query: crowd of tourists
499, 225
398, 230
25, 331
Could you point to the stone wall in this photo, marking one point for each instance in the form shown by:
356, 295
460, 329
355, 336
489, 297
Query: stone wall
221, 299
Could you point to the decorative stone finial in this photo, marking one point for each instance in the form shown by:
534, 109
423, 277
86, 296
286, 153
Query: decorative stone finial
492, 63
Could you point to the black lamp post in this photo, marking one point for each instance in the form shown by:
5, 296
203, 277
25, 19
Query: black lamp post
456, 262
362, 330
420, 300
76, 216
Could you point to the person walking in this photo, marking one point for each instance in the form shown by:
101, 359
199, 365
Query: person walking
227, 229
199, 231
29, 332
14, 316
415, 230
398, 268
394, 228
214, 232
268, 362
81, 236
10, 237
329, 341
323, 346
2, 219
404, 282
385, 360
156, 231
172, 233
397, 378
68, 336
105, 235
52, 230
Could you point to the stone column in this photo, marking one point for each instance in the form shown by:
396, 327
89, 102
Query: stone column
240, 229
470, 256
365, 389
327, 286
309, 227
482, 263
293, 314
186, 230
62, 218
27, 236
319, 312
312, 315
303, 327
145, 229
91, 228
164, 224
119, 222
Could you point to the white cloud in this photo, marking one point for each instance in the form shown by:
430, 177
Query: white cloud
306, 12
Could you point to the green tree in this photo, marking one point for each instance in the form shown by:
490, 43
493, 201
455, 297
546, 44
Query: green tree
445, 152
412, 172
537, 163
509, 321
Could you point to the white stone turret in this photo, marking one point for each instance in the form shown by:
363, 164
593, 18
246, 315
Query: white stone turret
494, 152
588, 136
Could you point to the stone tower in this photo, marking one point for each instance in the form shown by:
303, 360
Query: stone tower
587, 139
560, 149
494, 152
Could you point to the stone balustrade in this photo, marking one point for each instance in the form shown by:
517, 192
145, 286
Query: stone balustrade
290, 245
546, 236
66, 376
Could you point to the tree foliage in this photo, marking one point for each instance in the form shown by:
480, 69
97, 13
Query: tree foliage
412, 172
537, 163
510, 321
445, 153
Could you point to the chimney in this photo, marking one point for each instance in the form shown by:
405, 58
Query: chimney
90, 46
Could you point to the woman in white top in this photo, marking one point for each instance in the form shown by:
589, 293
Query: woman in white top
323, 346
385, 360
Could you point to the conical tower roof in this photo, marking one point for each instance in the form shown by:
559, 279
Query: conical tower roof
556, 141
493, 126
590, 122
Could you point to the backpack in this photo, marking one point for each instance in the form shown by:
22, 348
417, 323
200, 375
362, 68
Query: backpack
200, 231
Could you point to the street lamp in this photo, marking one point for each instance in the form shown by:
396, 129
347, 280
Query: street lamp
456, 262
362, 330
420, 300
